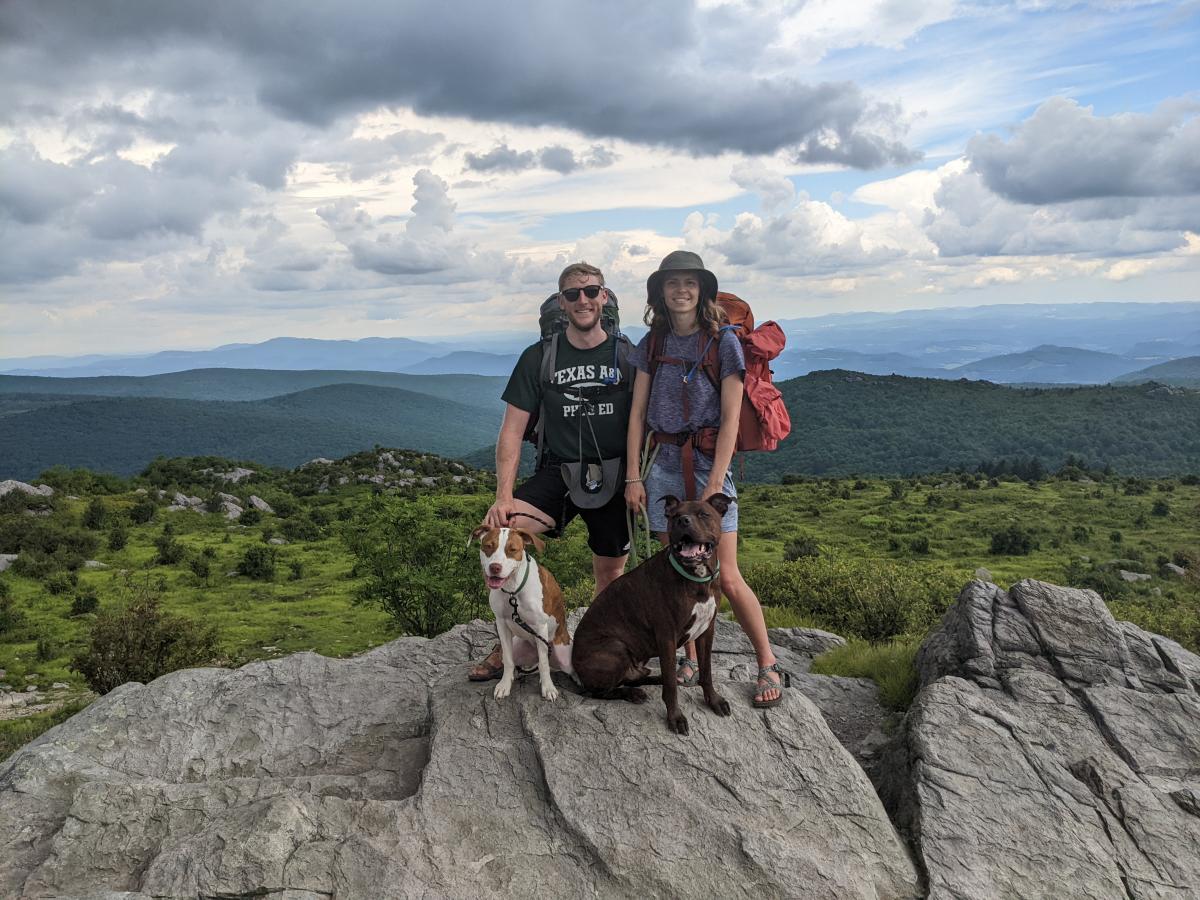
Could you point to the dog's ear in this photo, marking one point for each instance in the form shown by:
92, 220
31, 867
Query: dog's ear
538, 543
478, 533
669, 504
719, 502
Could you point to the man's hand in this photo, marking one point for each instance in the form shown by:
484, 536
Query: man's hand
499, 512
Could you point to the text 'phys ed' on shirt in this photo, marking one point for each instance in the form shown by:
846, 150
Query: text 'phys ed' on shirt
580, 392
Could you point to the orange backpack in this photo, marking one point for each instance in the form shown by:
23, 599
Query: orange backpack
764, 420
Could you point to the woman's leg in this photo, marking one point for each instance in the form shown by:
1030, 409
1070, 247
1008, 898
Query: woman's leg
748, 612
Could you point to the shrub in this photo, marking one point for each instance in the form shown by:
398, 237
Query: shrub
11, 618
295, 570
5, 589
875, 599
137, 641
201, 567
85, 602
1116, 537
118, 536
143, 511
170, 551
61, 582
1013, 541
919, 544
258, 562
801, 547
1160, 508
898, 490
1080, 534
95, 514
250, 516
413, 564
300, 528
46, 650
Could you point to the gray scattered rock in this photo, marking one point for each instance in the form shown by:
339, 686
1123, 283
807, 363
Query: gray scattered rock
3, 673
181, 501
261, 505
11, 484
230, 510
40, 513
1047, 750
277, 541
1177, 571
428, 481
7, 559
319, 461
31, 689
140, 491
60, 686
1132, 577
95, 564
234, 475
12, 701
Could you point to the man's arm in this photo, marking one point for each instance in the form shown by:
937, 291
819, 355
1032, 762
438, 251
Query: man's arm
508, 460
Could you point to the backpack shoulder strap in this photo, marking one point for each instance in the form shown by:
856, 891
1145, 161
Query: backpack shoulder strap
624, 348
549, 359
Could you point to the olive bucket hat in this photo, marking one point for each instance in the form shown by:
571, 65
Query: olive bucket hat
681, 261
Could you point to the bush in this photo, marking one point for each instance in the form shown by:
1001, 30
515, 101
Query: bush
295, 570
139, 642
201, 567
250, 516
1160, 508
1013, 541
919, 545
95, 514
143, 511
61, 582
897, 490
412, 564
300, 528
258, 562
46, 650
801, 547
118, 536
875, 599
12, 620
170, 551
85, 602
1081, 534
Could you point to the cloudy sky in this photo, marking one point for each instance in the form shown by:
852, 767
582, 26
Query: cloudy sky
186, 174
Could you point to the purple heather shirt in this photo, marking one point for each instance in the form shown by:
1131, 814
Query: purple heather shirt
665, 411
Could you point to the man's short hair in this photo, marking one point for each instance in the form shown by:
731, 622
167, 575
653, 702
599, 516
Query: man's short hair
581, 269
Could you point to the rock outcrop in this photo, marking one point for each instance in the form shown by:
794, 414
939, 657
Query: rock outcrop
1051, 752
390, 775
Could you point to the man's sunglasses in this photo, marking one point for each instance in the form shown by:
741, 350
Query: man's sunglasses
571, 295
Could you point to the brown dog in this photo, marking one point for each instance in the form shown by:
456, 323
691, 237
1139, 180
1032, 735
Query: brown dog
665, 602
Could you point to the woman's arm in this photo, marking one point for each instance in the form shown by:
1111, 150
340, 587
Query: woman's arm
731, 411
635, 492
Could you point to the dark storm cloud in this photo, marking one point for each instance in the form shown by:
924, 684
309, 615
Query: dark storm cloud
1063, 152
501, 158
625, 70
557, 158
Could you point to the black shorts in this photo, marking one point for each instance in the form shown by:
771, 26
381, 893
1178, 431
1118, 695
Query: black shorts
608, 531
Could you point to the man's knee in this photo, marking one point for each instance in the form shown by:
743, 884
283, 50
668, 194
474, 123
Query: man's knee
607, 569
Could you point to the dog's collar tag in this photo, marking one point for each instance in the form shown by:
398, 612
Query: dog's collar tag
689, 576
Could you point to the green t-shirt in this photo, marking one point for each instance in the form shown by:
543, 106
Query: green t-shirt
578, 395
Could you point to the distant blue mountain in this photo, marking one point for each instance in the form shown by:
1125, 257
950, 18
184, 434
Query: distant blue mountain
1048, 364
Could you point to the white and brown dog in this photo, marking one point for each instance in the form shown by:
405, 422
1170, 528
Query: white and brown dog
524, 592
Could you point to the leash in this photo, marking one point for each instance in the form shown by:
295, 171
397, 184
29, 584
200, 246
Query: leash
684, 572
538, 519
633, 519
512, 601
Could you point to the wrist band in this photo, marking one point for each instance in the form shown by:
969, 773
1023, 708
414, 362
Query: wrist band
633, 481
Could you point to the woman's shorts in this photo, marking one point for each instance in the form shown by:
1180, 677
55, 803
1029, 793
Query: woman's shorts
660, 484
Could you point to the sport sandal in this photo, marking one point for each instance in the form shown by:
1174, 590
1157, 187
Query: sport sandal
687, 680
764, 684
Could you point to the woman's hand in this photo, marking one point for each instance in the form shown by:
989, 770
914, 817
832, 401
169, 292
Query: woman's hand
635, 496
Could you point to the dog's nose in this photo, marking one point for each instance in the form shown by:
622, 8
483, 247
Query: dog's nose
494, 569
685, 520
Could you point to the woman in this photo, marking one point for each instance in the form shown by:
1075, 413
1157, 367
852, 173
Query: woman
683, 315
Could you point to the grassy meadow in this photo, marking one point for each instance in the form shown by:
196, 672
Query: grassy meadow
877, 560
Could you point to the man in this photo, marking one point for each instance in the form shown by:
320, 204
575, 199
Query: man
582, 416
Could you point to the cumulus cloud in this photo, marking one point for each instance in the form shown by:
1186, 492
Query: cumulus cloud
1065, 152
357, 159
774, 189
509, 63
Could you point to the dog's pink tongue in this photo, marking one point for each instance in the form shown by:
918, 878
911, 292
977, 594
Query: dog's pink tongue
494, 581
690, 550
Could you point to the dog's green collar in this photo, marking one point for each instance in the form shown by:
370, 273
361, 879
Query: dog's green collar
689, 576
524, 578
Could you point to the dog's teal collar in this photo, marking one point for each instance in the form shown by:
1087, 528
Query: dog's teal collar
689, 576
524, 578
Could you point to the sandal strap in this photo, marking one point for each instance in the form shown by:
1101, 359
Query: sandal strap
785, 679
686, 661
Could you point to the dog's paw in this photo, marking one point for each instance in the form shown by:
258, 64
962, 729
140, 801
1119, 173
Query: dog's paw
502, 689
549, 692
636, 695
678, 723
719, 705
